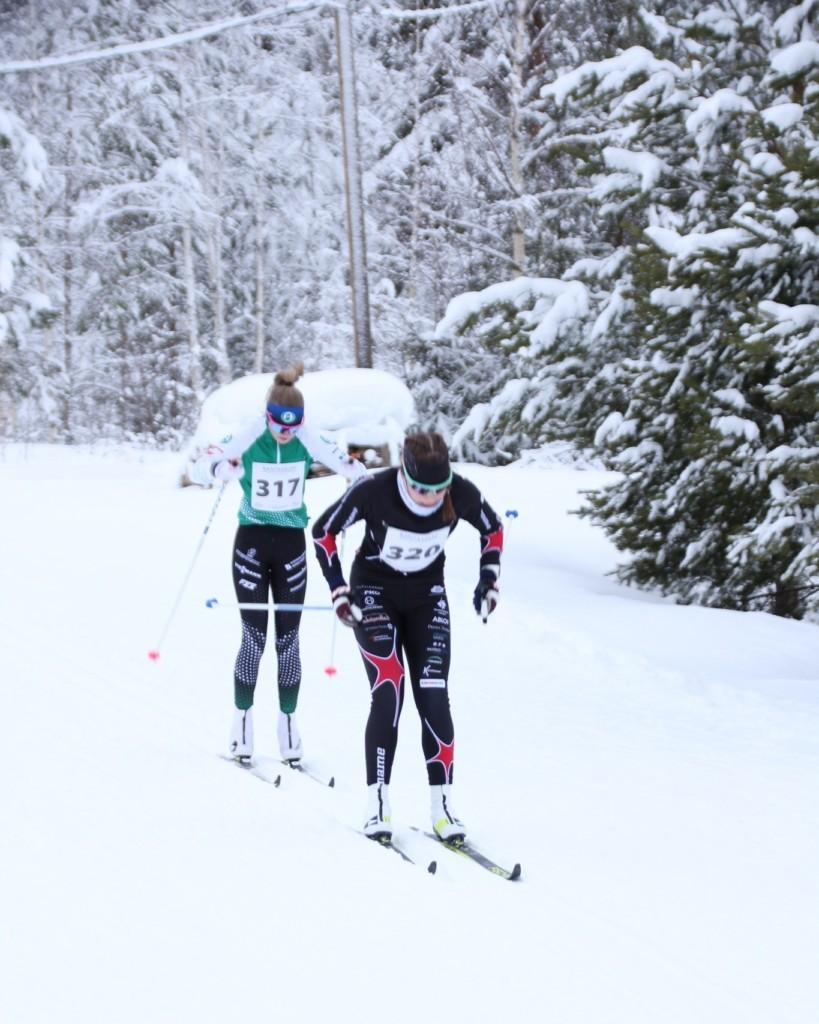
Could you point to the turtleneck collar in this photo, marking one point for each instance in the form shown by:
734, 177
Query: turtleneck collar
413, 506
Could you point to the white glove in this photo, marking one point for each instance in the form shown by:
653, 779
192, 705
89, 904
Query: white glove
357, 470
228, 469
348, 614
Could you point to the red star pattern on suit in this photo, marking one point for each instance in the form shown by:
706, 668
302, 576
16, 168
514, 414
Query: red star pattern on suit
445, 755
493, 541
328, 545
388, 670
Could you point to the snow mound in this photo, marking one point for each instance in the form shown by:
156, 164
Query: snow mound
360, 407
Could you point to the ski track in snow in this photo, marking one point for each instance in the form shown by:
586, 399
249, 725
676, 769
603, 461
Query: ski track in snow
653, 767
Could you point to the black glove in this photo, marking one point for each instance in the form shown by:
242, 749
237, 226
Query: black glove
485, 596
349, 614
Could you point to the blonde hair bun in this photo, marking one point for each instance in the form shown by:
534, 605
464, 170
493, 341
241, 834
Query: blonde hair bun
290, 374
283, 390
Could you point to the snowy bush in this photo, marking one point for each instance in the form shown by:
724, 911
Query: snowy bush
498, 356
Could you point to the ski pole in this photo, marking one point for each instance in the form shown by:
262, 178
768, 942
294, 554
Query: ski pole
331, 669
154, 654
250, 606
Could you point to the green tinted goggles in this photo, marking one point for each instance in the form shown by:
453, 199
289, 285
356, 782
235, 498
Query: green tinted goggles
416, 485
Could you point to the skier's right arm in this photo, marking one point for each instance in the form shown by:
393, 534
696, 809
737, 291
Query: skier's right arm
346, 511
223, 461
340, 515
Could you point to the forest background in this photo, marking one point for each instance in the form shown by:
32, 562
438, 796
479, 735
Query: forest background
587, 223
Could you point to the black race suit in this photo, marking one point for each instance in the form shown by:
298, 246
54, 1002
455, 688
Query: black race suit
397, 580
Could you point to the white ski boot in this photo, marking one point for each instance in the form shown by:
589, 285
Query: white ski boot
241, 735
444, 823
377, 825
289, 739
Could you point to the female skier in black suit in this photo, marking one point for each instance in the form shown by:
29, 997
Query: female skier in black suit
397, 605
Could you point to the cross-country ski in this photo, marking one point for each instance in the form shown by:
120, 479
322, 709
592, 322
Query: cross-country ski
307, 771
248, 766
470, 852
389, 843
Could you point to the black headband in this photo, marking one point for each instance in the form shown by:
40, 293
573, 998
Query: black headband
431, 471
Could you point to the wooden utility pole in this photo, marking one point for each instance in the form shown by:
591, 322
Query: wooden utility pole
356, 237
515, 135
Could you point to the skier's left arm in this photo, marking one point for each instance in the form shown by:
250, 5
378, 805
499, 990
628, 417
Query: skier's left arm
471, 505
330, 454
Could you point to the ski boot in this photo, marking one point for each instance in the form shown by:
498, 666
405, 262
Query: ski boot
241, 735
377, 826
444, 823
289, 738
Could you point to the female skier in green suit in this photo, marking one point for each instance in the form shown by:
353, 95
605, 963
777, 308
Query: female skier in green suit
271, 458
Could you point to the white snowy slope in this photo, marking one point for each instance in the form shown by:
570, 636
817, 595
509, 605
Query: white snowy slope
654, 769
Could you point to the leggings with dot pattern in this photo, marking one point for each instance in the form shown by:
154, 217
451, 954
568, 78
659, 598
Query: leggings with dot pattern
269, 559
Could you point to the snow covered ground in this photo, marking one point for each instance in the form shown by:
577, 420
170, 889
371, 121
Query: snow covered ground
654, 768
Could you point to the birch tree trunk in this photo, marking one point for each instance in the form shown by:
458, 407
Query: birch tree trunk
188, 272
258, 211
213, 179
68, 267
194, 346
416, 173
